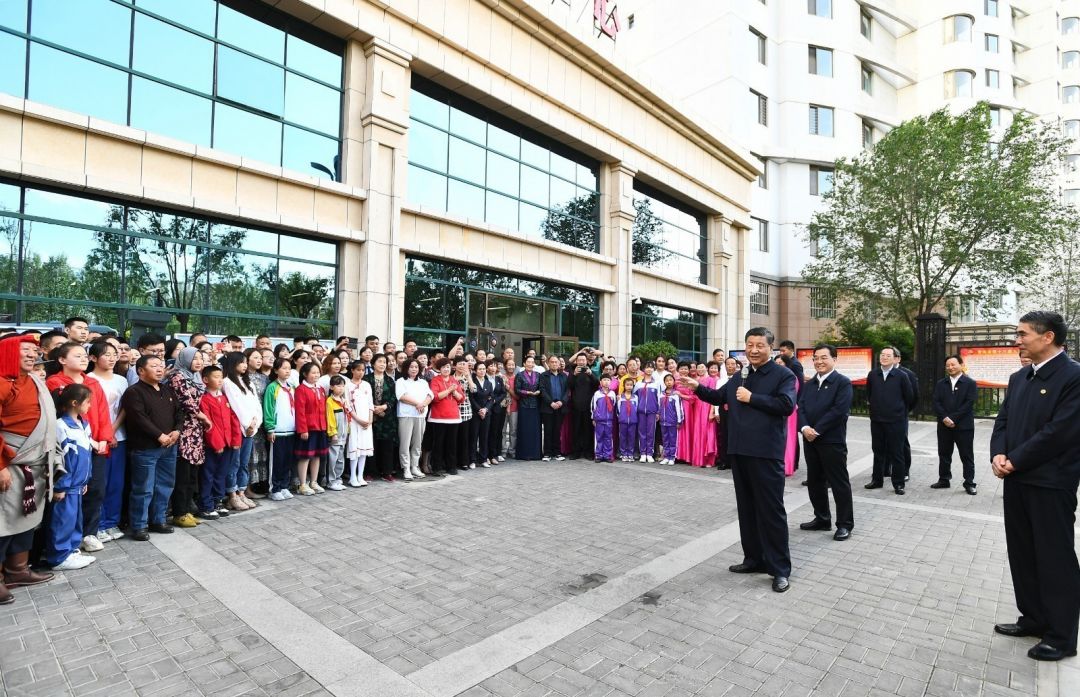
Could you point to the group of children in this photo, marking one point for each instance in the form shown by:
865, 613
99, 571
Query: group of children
632, 417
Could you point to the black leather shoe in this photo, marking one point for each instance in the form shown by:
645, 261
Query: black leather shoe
899, 490
1016, 630
970, 489
940, 484
1045, 652
161, 528
141, 535
805, 483
841, 534
745, 568
873, 485
816, 524
780, 584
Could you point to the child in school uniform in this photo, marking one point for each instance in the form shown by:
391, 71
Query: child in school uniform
279, 420
603, 412
338, 416
647, 390
222, 439
671, 415
311, 441
627, 417
73, 435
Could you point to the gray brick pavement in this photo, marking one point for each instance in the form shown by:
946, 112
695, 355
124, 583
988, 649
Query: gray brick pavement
410, 575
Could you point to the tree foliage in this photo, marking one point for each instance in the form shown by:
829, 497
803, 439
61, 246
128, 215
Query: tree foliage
856, 326
1057, 284
939, 208
648, 351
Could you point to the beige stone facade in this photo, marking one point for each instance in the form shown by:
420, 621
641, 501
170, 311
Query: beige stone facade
537, 63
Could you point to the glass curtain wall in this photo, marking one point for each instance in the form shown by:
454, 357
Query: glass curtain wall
685, 329
442, 300
231, 74
62, 255
466, 160
669, 237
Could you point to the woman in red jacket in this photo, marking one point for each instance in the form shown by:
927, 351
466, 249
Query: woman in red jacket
311, 440
73, 363
444, 418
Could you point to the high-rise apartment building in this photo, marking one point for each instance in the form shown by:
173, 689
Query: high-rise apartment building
801, 83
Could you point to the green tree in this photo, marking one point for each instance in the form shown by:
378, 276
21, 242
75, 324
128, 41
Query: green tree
574, 223
857, 325
1057, 285
650, 350
939, 208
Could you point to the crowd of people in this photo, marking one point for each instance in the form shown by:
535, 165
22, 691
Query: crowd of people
100, 438
160, 432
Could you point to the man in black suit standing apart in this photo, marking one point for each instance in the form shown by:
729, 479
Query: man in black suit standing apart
824, 406
889, 393
954, 405
759, 399
1035, 448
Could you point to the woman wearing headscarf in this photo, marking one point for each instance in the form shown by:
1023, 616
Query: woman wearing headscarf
186, 382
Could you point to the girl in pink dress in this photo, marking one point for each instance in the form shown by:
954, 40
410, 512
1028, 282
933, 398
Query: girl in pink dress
685, 446
704, 425
791, 452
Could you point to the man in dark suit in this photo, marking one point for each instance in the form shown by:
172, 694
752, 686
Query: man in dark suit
787, 348
583, 385
954, 406
759, 399
553, 408
824, 406
889, 393
1035, 449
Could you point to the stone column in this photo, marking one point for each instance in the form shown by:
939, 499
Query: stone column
376, 159
718, 334
617, 182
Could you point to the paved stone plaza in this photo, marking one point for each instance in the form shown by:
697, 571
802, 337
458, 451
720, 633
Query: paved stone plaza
536, 579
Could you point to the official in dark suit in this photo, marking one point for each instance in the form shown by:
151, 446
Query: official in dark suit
889, 393
954, 406
824, 406
553, 408
759, 399
1035, 448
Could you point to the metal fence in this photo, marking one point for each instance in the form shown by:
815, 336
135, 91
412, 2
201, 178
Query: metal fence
987, 402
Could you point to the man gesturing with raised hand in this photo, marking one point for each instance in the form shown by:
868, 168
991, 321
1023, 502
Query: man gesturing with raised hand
759, 400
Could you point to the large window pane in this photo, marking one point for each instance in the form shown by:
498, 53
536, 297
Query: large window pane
466, 160
173, 54
247, 134
467, 126
166, 274
73, 209
170, 112
100, 28
466, 199
304, 150
306, 290
533, 219
534, 185
502, 211
502, 174
13, 14
503, 141
429, 110
312, 60
13, 58
250, 81
53, 261
9, 197
313, 105
250, 34
426, 188
243, 283
427, 146
311, 250
197, 14
238, 237
77, 84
